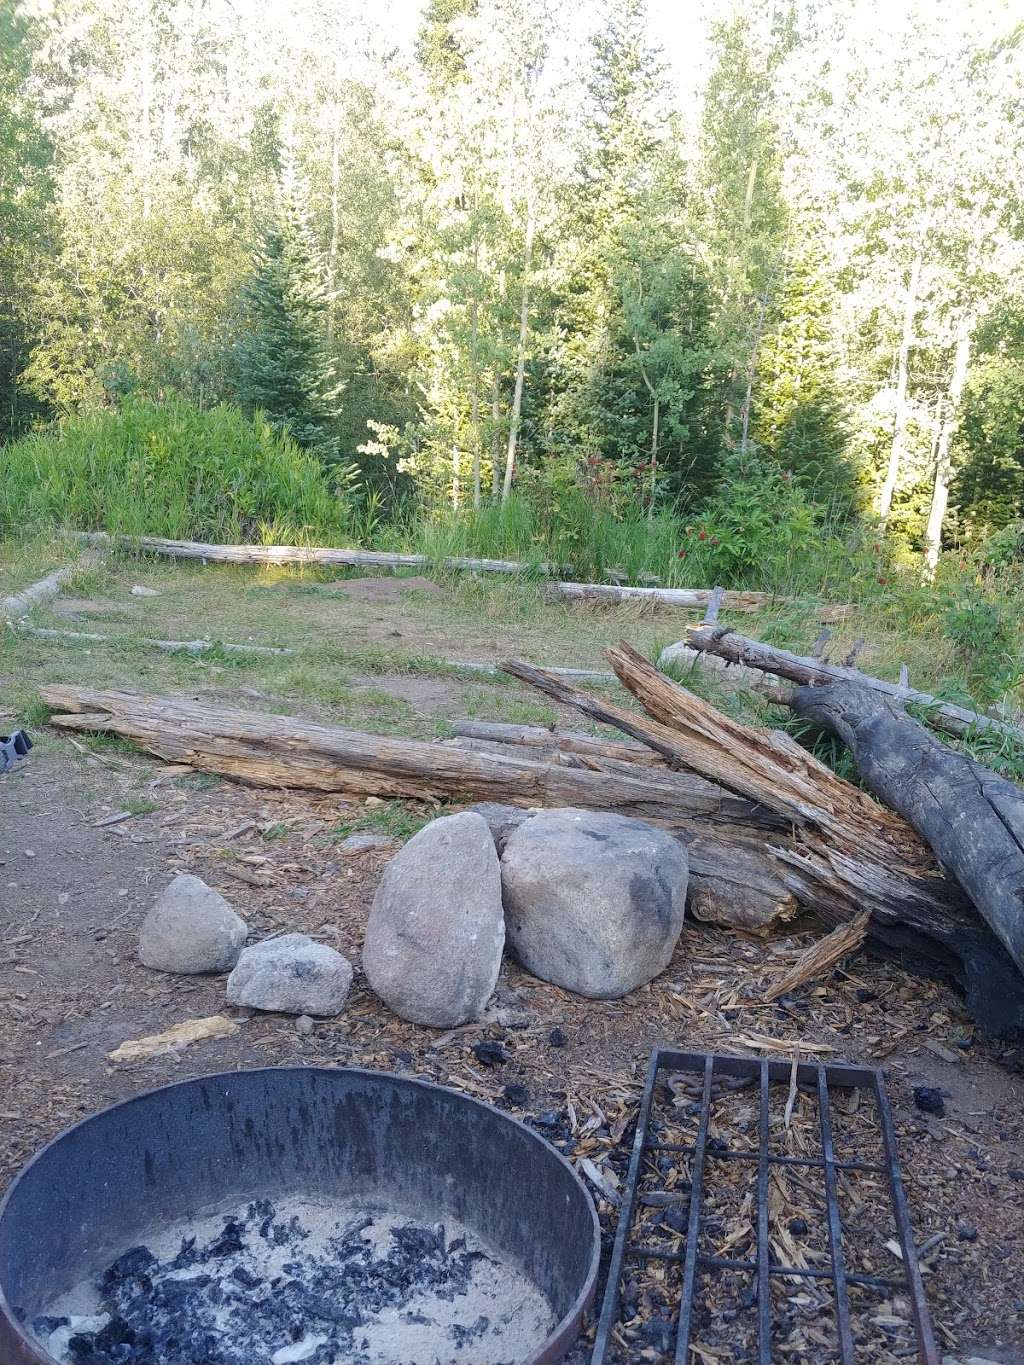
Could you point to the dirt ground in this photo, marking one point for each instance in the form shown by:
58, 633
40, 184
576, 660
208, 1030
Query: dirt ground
73, 893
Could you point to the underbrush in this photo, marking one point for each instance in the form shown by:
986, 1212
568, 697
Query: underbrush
169, 469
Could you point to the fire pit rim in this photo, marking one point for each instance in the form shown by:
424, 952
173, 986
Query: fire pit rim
562, 1335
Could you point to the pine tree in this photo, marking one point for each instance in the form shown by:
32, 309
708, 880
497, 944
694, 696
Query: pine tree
798, 413
283, 365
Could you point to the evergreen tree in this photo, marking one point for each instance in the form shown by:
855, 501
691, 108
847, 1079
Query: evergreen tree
629, 343
283, 365
24, 219
798, 414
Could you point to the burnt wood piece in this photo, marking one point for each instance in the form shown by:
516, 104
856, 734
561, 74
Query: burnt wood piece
847, 853
738, 649
972, 818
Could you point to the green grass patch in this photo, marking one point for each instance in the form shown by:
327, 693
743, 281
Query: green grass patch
396, 819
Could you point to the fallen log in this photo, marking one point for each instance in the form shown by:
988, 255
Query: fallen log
810, 672
326, 556
19, 604
847, 854
281, 751
731, 876
972, 818
565, 741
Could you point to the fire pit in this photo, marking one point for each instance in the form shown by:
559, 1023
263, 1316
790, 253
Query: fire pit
296, 1215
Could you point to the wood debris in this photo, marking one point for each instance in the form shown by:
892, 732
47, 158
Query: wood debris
821, 956
174, 1039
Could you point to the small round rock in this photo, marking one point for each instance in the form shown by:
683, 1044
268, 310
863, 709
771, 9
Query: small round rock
291, 975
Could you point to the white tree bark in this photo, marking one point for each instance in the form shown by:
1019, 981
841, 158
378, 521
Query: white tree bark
940, 488
524, 328
899, 432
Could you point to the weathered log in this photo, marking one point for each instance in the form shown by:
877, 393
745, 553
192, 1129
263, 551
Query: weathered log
281, 751
328, 556
19, 604
810, 672
732, 879
972, 818
847, 854
566, 741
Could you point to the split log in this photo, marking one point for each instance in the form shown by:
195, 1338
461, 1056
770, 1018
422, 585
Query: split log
566, 741
972, 818
847, 853
810, 672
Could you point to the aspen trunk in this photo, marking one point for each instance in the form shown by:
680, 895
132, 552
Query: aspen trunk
524, 326
940, 489
899, 431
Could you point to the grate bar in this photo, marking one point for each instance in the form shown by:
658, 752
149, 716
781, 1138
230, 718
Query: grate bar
925, 1334
764, 1297
610, 1307
693, 1230
773, 1160
782, 1271
820, 1078
835, 1226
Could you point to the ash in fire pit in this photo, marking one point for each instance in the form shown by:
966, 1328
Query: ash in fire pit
297, 1282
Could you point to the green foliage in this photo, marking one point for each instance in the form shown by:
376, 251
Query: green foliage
169, 469
989, 489
25, 188
282, 365
759, 527
799, 415
396, 819
985, 632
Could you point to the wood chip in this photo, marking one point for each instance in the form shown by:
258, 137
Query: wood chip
175, 1039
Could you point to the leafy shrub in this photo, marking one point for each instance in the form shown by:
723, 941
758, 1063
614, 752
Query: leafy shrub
983, 631
1004, 548
170, 469
760, 527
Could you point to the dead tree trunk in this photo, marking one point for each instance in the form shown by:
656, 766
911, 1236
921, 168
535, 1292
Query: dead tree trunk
738, 649
847, 853
971, 817
734, 880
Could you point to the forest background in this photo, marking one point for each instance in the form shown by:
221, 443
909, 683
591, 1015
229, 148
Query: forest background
493, 275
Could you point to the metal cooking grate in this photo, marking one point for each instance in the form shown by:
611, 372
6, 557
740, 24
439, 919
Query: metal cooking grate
695, 1270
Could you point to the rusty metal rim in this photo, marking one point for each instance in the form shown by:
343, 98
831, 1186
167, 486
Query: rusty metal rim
551, 1352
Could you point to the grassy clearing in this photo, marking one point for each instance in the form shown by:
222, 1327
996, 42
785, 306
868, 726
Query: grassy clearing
394, 664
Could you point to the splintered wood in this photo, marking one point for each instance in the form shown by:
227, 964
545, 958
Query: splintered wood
821, 956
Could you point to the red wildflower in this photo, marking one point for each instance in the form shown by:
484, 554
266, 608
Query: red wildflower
882, 579
682, 554
702, 535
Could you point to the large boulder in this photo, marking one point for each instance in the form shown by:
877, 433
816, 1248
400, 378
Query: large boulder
501, 820
191, 928
594, 902
436, 929
291, 975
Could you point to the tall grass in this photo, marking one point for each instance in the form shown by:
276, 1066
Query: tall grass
168, 469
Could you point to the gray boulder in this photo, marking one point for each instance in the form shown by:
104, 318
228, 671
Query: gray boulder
191, 928
501, 820
594, 902
436, 929
291, 975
